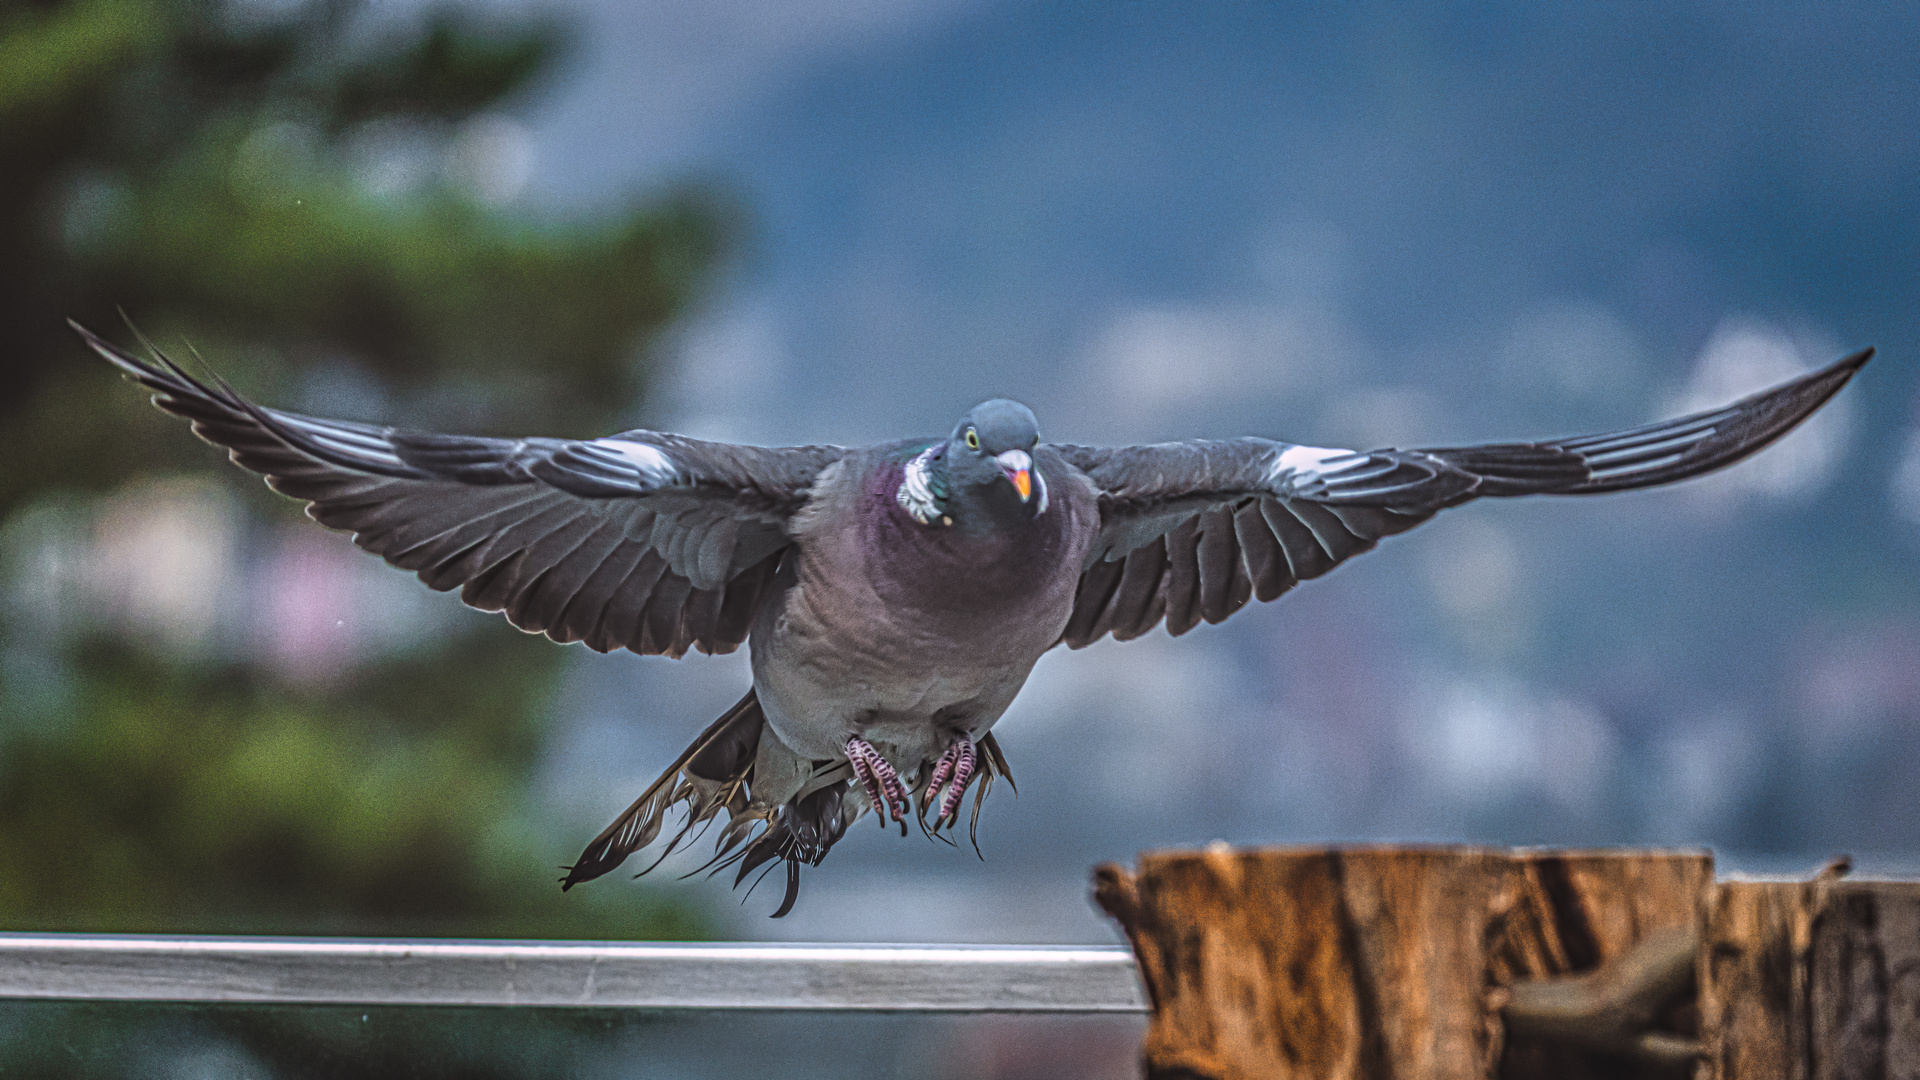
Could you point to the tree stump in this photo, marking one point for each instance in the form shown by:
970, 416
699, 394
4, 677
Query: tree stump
1814, 980
1752, 972
1379, 962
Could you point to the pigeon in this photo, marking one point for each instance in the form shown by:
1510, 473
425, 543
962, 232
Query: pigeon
894, 598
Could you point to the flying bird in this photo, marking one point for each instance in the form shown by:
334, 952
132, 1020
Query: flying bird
893, 597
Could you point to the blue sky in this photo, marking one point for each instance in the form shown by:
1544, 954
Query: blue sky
966, 191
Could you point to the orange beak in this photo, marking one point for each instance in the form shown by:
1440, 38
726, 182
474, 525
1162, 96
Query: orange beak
1018, 465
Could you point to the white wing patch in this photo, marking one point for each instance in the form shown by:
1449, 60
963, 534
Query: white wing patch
653, 465
346, 441
1305, 464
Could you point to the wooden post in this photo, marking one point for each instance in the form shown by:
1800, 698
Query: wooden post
1814, 980
1752, 972
1376, 962
1579, 912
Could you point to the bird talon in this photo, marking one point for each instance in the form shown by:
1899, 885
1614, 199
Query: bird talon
956, 767
884, 789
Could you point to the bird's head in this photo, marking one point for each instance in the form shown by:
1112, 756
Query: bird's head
983, 477
990, 455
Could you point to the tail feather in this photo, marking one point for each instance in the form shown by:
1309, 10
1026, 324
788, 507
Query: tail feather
715, 776
723, 757
802, 831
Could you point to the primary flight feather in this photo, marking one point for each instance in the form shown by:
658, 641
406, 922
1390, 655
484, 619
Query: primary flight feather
894, 597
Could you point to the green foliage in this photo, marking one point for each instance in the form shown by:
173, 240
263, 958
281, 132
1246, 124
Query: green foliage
312, 1042
210, 798
216, 170
206, 171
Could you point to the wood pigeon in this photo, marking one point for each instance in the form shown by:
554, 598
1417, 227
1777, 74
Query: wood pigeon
894, 597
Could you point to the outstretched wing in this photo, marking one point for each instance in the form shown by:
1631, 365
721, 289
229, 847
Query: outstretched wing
643, 540
1193, 530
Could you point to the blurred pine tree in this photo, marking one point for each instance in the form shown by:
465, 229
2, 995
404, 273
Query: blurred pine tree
294, 188
315, 185
319, 196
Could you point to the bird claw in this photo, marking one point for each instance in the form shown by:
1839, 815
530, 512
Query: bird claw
882, 783
956, 766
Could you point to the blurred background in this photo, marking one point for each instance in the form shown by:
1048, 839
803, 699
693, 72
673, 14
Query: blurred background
1361, 225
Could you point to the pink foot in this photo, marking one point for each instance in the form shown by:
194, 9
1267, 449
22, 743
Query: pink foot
883, 785
956, 765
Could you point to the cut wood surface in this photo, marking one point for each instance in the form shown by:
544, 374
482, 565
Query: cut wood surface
1576, 912
1377, 962
1445, 962
1864, 982
1753, 970
1815, 980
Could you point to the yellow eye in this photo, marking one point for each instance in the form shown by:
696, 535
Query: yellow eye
973, 440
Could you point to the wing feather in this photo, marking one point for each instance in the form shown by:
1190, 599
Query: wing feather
1093, 596
1182, 589
1306, 559
660, 624
1330, 532
541, 609
627, 607
1193, 530
1140, 601
743, 597
634, 541
585, 614
1266, 562
1221, 571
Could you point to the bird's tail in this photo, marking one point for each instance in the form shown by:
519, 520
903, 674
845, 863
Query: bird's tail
713, 775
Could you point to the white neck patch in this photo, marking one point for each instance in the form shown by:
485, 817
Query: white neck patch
916, 488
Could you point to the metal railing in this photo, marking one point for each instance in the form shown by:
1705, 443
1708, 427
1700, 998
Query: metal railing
584, 974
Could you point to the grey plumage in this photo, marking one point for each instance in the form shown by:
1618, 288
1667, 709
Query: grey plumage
895, 597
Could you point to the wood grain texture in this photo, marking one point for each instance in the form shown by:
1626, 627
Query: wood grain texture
1249, 962
1572, 911
1376, 962
1753, 979
1863, 982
